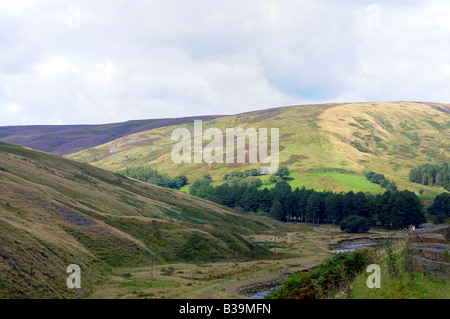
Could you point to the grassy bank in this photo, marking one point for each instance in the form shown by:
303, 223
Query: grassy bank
404, 284
344, 276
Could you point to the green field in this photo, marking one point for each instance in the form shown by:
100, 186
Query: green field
337, 182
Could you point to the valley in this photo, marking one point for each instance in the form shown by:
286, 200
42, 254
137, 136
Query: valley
133, 239
299, 248
178, 154
55, 212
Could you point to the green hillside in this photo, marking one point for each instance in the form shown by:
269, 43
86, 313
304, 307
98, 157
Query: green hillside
327, 146
55, 212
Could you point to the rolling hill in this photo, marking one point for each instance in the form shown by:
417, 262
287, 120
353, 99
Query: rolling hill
76, 209
55, 212
66, 139
327, 146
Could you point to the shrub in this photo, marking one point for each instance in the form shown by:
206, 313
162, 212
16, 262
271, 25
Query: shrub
355, 224
441, 205
391, 258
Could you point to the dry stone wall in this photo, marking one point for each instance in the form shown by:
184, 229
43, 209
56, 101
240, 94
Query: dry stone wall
430, 250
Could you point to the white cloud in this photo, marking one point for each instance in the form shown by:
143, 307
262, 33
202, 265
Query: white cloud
12, 108
103, 74
103, 61
54, 67
404, 58
9, 112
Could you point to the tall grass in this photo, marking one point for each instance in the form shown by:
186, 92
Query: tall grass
404, 283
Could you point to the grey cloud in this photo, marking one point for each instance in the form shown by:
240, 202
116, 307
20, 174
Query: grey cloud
104, 61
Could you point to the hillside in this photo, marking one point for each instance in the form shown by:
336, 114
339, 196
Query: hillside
66, 139
328, 146
55, 212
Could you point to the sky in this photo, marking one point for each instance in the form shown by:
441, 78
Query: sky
93, 62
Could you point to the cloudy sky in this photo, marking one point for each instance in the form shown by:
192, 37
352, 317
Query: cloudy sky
102, 61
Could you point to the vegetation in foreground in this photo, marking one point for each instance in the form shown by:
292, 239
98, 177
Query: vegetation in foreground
327, 280
398, 281
344, 275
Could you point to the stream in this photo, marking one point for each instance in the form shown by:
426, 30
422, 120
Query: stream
351, 247
262, 294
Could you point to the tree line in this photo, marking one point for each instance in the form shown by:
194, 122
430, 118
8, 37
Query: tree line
152, 176
392, 209
431, 175
380, 179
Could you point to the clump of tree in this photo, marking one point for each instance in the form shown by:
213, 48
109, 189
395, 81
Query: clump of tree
380, 179
281, 175
246, 178
440, 209
152, 176
244, 174
354, 224
431, 175
200, 184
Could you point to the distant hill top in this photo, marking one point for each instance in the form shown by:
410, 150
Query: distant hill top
325, 146
66, 139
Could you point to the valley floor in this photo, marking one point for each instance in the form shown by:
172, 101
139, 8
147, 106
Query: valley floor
298, 247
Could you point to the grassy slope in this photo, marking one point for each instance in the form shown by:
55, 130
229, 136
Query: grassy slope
54, 212
326, 146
